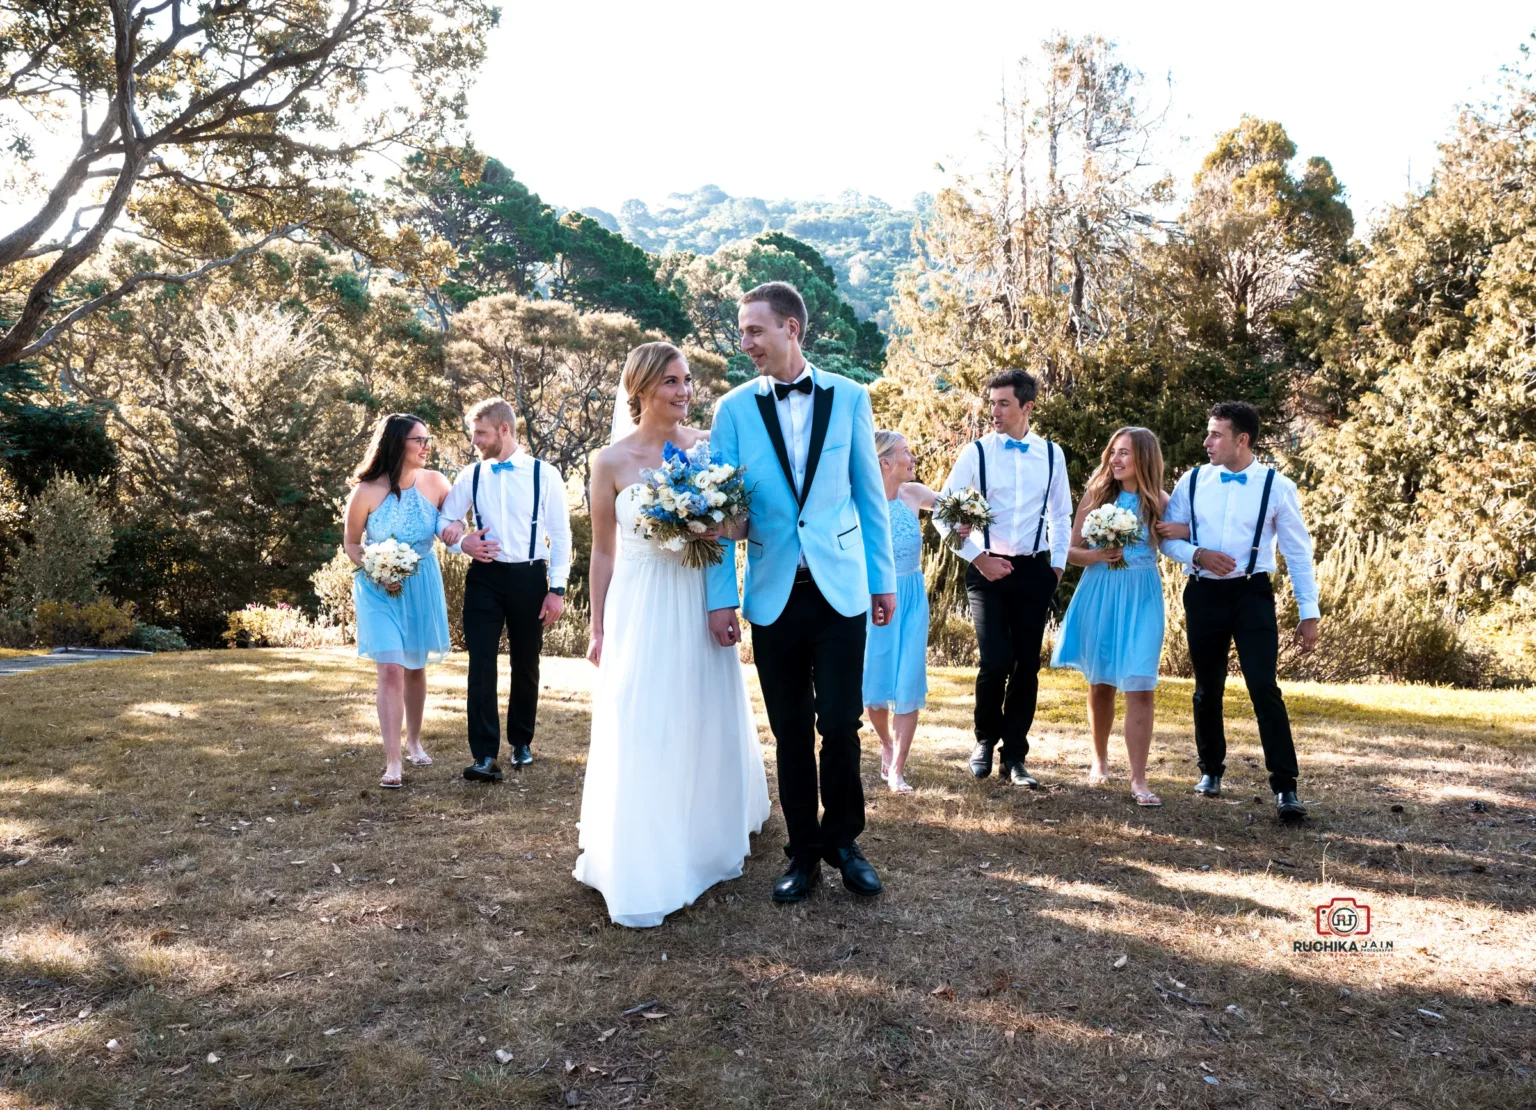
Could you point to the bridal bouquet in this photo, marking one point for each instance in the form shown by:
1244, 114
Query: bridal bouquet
688, 495
962, 507
1112, 526
389, 563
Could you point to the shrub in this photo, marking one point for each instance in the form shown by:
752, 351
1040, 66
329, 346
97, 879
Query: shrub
94, 624
333, 586
149, 637
16, 632
278, 626
71, 539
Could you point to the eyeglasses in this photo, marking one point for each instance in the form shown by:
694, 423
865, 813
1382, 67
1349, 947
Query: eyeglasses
425, 441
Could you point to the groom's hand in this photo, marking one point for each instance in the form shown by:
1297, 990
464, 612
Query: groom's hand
724, 627
453, 533
550, 611
478, 548
882, 607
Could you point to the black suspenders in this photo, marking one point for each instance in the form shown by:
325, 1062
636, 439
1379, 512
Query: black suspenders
981, 461
1045, 501
1258, 528
1045, 498
533, 525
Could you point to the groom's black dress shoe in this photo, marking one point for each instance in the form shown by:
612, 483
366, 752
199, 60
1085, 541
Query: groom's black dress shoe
521, 755
1289, 806
858, 875
1209, 785
981, 759
483, 770
800, 878
1016, 773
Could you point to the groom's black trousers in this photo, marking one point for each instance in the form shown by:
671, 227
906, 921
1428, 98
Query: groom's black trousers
1219, 613
497, 596
810, 663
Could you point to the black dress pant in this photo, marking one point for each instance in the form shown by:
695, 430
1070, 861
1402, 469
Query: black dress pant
810, 663
1219, 613
497, 596
1010, 616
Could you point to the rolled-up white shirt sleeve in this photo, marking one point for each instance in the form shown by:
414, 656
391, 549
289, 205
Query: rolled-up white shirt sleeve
1295, 543
962, 475
1180, 551
558, 523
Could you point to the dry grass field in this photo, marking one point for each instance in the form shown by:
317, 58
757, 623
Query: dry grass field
206, 901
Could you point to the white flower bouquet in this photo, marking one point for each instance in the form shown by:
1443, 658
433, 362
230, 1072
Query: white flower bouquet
389, 563
962, 507
1112, 526
687, 499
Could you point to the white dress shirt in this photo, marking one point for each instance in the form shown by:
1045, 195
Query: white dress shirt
1228, 512
1016, 492
505, 508
795, 424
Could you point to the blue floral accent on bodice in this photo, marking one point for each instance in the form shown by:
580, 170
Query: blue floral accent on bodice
409, 518
906, 538
1140, 553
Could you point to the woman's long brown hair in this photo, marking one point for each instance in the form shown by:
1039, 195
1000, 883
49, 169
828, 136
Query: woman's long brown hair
1147, 455
386, 451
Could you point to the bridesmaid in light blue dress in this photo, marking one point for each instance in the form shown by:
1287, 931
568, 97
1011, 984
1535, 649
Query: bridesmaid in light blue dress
896, 656
1113, 630
395, 496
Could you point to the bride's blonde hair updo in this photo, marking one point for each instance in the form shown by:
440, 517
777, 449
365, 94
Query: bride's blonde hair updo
643, 370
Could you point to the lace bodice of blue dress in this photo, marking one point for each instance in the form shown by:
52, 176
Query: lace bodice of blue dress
409, 518
1141, 553
906, 538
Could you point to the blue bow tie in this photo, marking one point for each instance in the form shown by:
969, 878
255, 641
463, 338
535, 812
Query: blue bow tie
1015, 444
498, 467
1240, 479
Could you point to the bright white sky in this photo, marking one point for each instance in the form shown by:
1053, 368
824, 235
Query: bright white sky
592, 103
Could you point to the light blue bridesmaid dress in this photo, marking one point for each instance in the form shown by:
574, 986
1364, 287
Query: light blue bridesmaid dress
896, 656
409, 628
1113, 630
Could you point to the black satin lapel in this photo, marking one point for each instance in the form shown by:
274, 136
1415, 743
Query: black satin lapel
770, 416
821, 416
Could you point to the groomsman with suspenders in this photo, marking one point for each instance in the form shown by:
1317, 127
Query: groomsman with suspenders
521, 548
1016, 565
1238, 512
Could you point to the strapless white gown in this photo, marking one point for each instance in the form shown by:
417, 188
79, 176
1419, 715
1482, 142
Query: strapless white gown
675, 783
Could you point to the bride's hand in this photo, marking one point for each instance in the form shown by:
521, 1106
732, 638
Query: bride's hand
1111, 554
595, 647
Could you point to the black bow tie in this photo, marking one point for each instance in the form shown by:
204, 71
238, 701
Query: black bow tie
782, 390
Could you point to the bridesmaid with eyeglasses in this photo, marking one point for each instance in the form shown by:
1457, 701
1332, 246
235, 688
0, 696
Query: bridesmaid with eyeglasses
405, 627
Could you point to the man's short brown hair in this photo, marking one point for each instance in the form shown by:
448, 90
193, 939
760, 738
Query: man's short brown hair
1023, 384
494, 410
782, 299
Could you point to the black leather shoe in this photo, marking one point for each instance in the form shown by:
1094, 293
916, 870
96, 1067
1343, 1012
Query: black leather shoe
1018, 774
800, 878
858, 875
1289, 806
1209, 785
981, 759
522, 755
483, 770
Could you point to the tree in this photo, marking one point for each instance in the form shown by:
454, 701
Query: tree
71, 537
40, 438
215, 131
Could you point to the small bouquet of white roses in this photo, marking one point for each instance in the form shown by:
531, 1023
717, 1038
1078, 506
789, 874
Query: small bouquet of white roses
1112, 526
691, 494
389, 563
960, 508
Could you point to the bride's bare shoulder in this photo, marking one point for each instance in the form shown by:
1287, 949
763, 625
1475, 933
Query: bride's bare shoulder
695, 436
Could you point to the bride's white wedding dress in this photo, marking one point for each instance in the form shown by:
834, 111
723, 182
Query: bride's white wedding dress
675, 781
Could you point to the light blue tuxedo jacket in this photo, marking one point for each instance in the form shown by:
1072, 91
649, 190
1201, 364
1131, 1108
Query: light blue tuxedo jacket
840, 520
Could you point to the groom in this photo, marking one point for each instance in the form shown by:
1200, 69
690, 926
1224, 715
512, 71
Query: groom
818, 560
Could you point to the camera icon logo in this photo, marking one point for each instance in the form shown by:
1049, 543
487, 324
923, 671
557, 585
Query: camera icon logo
1343, 917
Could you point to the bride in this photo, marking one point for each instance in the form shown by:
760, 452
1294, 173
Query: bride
675, 781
